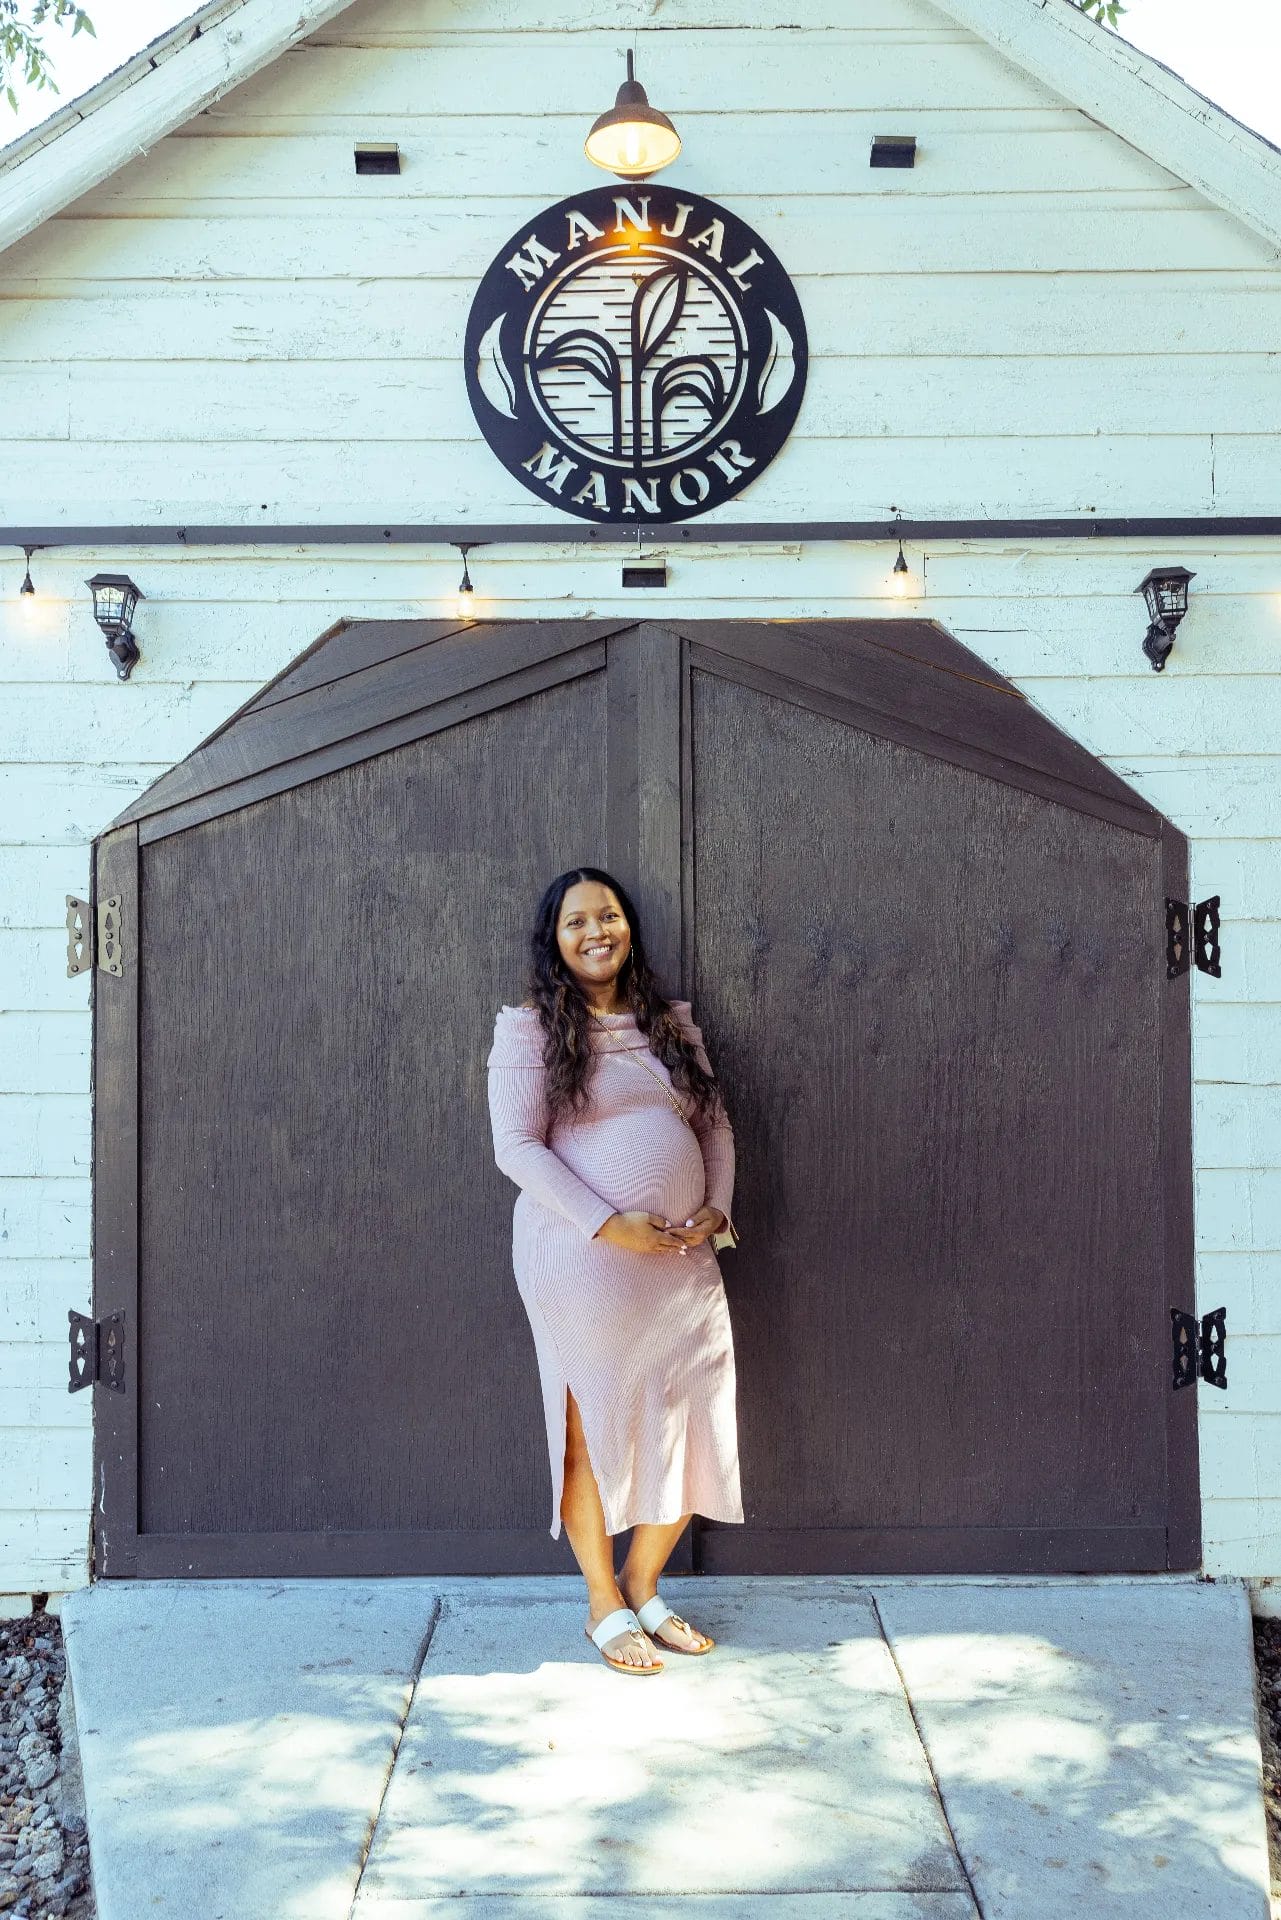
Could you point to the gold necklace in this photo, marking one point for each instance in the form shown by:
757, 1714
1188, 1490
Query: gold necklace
629, 1053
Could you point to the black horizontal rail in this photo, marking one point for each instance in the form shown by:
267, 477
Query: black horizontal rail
723, 533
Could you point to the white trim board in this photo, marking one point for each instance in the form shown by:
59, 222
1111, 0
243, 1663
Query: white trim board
160, 89
1137, 97
184, 70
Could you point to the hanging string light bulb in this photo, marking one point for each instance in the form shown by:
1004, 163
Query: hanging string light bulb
26, 586
902, 582
464, 600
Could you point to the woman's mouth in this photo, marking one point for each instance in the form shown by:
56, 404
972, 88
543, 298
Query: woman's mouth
597, 952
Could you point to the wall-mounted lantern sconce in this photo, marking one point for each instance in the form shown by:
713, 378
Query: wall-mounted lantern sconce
1166, 591
633, 139
114, 599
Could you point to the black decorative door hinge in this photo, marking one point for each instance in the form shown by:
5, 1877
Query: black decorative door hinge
94, 936
97, 1351
1199, 1350
1204, 948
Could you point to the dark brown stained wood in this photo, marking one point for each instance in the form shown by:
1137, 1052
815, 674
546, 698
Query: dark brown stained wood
948, 706
938, 1003
115, 1209
922, 641
960, 752
350, 647
395, 733
909, 1549
645, 794
923, 932
330, 1327
1184, 1463
336, 1555
386, 690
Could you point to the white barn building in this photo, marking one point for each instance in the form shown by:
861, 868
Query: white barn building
1042, 355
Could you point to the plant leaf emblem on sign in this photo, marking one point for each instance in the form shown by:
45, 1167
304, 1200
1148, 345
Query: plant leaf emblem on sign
636, 355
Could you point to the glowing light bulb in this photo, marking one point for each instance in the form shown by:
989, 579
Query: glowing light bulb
902, 584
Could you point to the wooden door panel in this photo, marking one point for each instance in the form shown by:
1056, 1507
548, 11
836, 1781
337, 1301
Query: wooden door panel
329, 1322
937, 1001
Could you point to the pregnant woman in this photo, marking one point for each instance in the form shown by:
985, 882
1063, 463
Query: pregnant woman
608, 1117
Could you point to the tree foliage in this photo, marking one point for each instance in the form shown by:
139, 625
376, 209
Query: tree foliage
21, 46
1103, 10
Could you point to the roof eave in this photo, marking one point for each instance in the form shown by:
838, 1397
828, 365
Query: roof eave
146, 99
1142, 101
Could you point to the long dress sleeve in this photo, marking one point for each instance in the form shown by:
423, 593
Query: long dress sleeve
715, 1137
519, 1119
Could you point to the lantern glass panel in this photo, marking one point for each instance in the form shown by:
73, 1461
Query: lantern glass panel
114, 599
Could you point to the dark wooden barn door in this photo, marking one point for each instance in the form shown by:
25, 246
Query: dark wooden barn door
923, 932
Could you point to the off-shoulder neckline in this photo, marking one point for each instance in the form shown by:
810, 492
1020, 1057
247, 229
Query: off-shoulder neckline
603, 1019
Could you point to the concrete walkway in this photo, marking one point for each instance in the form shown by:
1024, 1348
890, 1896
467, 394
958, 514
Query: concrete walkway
904, 1749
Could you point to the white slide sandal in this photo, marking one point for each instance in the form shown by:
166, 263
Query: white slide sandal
621, 1620
652, 1616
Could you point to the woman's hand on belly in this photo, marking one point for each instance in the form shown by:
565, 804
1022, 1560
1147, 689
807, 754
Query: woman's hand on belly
640, 1233
702, 1225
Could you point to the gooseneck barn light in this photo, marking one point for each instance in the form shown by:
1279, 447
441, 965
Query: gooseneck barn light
114, 599
1166, 591
633, 139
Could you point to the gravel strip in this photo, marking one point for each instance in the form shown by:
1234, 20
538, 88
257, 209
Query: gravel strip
44, 1847
1267, 1665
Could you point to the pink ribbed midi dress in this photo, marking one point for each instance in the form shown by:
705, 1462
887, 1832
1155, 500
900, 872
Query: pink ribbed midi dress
641, 1340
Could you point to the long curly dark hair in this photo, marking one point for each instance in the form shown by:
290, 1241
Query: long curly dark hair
567, 1021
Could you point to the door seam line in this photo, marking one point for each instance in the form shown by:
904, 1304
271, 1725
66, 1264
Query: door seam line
438, 1608
934, 1779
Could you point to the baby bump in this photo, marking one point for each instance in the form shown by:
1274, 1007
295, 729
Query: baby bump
650, 1163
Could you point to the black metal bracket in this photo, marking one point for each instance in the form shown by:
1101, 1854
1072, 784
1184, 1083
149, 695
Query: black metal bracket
1199, 1352
97, 1351
1204, 947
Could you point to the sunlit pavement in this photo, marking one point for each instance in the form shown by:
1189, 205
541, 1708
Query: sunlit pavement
908, 1749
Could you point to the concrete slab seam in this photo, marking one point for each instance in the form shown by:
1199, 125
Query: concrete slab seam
926, 1755
420, 1658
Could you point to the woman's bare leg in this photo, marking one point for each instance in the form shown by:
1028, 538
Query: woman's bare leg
583, 1519
647, 1555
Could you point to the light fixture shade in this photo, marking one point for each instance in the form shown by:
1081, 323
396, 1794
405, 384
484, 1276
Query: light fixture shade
633, 139
1165, 590
114, 598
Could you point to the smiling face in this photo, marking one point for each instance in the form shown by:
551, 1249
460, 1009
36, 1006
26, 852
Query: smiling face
594, 938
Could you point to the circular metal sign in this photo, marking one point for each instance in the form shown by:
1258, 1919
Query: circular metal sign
636, 355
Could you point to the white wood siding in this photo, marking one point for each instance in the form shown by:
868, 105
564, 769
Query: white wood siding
1035, 320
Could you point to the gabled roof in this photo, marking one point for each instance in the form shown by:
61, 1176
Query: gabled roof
182, 71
